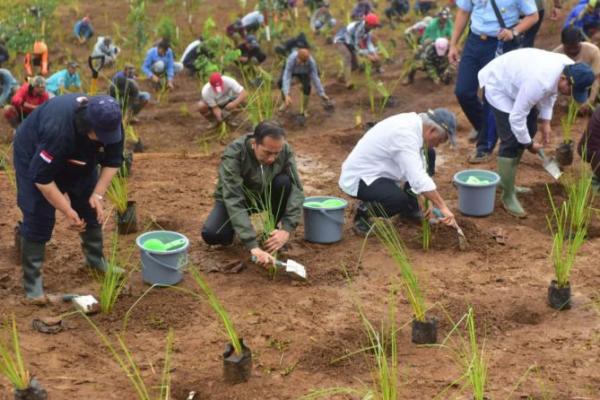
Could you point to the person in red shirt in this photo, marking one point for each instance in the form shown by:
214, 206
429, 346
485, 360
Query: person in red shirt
29, 96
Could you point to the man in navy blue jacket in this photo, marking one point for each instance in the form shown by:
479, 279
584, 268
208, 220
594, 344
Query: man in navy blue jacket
56, 153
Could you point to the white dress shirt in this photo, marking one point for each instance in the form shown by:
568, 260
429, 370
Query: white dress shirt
522, 79
391, 149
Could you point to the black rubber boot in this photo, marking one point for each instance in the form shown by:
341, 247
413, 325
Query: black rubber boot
362, 220
93, 249
32, 259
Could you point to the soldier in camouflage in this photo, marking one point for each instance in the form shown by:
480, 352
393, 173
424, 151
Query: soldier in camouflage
433, 59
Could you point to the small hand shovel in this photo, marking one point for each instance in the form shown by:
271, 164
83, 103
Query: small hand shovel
462, 239
291, 267
550, 165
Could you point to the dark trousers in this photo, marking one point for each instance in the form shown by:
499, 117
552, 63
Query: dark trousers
218, 229
304, 80
529, 36
39, 216
509, 146
476, 54
487, 138
384, 198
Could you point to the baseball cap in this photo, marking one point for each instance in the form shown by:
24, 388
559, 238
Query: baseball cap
372, 20
581, 77
104, 115
446, 119
251, 39
444, 13
216, 81
441, 46
72, 64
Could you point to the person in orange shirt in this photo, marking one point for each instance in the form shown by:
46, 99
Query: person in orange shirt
38, 58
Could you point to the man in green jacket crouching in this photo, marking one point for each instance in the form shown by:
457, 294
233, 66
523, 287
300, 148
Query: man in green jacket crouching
257, 173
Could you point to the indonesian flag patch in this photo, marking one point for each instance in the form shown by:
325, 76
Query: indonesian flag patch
46, 156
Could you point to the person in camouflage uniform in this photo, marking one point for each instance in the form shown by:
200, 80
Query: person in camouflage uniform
433, 59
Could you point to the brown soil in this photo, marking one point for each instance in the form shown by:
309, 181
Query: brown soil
305, 336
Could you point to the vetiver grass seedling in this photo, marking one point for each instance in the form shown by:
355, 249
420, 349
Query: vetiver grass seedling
389, 238
218, 308
118, 193
113, 282
383, 345
567, 121
11, 359
123, 356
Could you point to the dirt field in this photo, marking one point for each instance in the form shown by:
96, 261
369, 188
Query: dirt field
296, 330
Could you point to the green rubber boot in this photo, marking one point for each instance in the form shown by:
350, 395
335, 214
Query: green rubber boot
507, 169
93, 249
519, 189
32, 259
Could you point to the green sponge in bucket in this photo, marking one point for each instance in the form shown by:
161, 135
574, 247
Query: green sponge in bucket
329, 203
313, 204
157, 245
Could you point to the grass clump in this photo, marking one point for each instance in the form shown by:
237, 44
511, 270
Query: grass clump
118, 193
11, 359
113, 282
389, 238
123, 356
218, 308
567, 121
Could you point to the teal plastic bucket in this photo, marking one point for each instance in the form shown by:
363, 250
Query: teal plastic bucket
475, 198
324, 219
163, 267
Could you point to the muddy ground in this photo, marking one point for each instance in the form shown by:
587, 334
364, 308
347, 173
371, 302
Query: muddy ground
300, 333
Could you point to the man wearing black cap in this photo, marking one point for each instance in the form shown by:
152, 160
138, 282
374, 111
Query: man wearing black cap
521, 87
388, 168
56, 151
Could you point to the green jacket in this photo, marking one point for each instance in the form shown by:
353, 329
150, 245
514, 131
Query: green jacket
240, 172
434, 31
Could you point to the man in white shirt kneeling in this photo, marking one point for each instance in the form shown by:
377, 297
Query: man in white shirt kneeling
387, 169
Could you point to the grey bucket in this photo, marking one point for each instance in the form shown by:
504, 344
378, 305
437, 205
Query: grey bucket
163, 267
323, 225
476, 200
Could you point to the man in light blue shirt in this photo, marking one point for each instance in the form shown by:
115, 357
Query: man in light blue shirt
484, 40
8, 85
159, 62
66, 80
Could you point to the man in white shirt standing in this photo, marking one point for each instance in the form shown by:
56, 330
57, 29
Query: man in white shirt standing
521, 87
221, 96
391, 155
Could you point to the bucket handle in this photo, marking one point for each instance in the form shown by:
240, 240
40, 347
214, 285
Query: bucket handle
159, 262
329, 217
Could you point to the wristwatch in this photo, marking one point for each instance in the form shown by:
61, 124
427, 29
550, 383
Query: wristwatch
515, 33
99, 196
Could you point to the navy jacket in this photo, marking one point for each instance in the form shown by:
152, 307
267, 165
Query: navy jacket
52, 145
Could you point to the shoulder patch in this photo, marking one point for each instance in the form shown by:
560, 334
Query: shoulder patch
47, 157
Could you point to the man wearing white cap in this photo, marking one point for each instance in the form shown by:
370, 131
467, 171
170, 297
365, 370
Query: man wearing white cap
221, 96
434, 61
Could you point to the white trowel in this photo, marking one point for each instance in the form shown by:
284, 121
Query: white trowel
550, 165
290, 266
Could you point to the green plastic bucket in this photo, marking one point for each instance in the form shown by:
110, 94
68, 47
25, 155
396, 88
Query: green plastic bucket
163, 267
476, 198
324, 219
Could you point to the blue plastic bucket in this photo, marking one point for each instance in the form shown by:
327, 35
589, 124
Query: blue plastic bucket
323, 224
163, 267
476, 199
